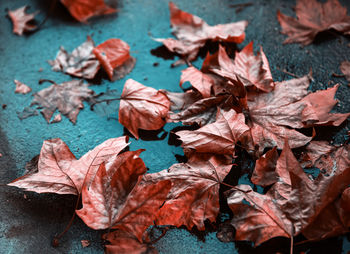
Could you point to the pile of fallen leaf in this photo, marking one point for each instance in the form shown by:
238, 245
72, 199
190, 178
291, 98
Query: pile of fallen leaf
233, 105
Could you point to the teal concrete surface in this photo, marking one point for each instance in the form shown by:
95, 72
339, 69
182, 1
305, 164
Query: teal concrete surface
29, 221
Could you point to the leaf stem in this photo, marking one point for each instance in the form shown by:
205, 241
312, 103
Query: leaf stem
51, 9
55, 241
46, 80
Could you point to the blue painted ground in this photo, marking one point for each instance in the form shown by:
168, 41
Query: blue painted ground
27, 224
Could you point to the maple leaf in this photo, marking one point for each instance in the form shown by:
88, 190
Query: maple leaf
122, 242
194, 195
142, 107
67, 97
21, 87
218, 137
58, 171
117, 198
21, 20
264, 172
198, 80
82, 10
192, 32
324, 16
292, 204
252, 70
271, 116
80, 63
258, 220
320, 104
193, 110
334, 220
345, 69
114, 57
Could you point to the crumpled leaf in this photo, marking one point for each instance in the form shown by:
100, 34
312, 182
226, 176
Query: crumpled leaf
21, 87
192, 32
194, 195
81, 63
67, 97
121, 242
142, 107
324, 16
58, 170
345, 69
117, 198
252, 70
21, 20
322, 155
115, 59
82, 10
218, 137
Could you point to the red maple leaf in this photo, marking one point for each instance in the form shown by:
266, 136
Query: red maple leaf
58, 171
114, 56
293, 203
142, 107
118, 198
82, 10
218, 137
194, 195
314, 17
21, 20
252, 70
192, 32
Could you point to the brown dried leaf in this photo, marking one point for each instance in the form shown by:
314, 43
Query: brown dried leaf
324, 16
80, 63
58, 170
67, 97
218, 137
142, 107
194, 195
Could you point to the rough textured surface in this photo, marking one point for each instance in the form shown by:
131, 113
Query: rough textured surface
28, 223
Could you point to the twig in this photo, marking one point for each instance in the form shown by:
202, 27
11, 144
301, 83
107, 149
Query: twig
52, 8
338, 75
288, 73
240, 7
